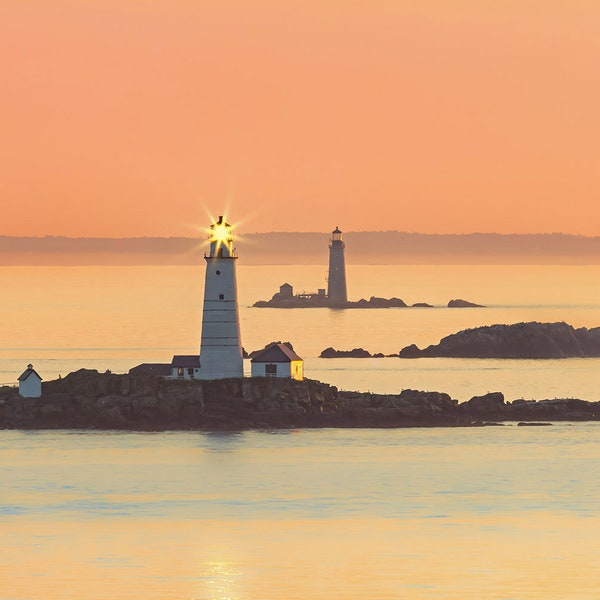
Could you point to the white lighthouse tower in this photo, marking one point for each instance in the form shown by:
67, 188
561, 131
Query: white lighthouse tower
220, 347
336, 282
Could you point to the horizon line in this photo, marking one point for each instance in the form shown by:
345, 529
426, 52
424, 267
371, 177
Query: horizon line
371, 231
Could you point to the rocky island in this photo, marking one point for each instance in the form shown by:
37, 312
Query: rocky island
87, 399
285, 298
321, 301
520, 340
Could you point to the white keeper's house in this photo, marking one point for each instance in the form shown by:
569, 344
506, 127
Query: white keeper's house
277, 360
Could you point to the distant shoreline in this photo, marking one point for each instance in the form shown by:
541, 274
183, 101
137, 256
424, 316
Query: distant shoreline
277, 248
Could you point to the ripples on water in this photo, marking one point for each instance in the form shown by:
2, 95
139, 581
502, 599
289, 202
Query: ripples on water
504, 512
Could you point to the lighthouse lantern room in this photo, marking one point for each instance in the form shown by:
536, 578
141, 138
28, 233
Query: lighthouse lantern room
220, 346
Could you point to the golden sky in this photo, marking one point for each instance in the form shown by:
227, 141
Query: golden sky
139, 117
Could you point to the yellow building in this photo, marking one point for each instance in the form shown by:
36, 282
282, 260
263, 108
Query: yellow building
277, 360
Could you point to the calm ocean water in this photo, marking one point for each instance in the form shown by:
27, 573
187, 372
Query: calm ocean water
497, 513
64, 318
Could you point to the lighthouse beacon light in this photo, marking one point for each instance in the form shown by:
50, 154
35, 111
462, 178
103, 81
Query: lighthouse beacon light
221, 239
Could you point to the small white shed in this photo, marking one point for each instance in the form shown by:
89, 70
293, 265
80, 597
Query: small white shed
277, 360
30, 383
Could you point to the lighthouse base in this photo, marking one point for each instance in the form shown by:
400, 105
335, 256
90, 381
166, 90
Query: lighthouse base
220, 363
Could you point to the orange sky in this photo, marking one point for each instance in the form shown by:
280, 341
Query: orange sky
132, 117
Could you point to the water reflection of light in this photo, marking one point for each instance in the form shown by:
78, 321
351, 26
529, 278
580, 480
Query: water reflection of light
221, 579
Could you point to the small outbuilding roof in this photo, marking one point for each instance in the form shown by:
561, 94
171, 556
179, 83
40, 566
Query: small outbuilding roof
186, 361
29, 371
160, 369
275, 352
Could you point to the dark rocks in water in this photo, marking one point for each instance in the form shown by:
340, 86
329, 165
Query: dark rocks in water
491, 403
375, 302
493, 406
412, 351
458, 303
320, 301
355, 353
421, 305
91, 400
521, 340
533, 424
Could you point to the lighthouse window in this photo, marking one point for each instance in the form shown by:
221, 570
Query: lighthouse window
221, 297
218, 272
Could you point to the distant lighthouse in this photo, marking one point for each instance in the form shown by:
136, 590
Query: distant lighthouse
220, 347
336, 283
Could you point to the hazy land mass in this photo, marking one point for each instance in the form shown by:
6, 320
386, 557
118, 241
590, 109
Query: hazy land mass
362, 247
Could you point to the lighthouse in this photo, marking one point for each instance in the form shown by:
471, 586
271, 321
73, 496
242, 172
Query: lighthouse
220, 346
336, 283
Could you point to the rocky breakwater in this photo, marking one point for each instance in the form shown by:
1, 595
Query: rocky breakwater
521, 340
91, 400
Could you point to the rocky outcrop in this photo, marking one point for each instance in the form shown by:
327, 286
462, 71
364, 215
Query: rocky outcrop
298, 301
280, 300
355, 353
489, 406
521, 340
319, 301
91, 400
375, 302
459, 303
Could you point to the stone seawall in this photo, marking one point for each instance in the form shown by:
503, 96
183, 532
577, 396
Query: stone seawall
91, 400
